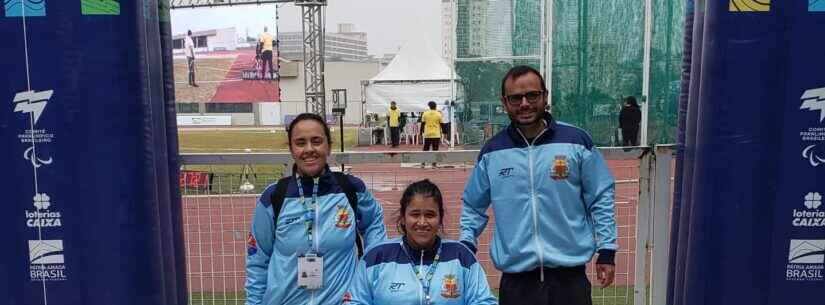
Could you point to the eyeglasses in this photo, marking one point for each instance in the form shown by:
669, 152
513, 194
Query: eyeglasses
532, 97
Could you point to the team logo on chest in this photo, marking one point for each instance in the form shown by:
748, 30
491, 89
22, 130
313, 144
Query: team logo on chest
342, 219
450, 288
559, 171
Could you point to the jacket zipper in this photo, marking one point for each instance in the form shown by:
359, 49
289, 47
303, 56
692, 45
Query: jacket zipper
534, 203
421, 295
315, 241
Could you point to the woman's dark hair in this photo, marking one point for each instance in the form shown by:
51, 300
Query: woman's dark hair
423, 188
632, 101
308, 116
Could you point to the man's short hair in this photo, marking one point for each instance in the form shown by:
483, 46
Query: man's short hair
431, 104
519, 71
189, 32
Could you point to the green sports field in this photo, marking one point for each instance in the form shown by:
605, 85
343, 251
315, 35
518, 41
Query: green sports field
226, 178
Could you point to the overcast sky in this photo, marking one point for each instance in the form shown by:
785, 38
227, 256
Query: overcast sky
388, 23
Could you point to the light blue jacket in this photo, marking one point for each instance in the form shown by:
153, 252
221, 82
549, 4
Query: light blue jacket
552, 199
385, 276
272, 263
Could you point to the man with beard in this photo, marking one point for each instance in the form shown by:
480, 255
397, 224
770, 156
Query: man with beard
552, 196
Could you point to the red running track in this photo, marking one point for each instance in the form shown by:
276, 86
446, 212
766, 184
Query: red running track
216, 226
235, 90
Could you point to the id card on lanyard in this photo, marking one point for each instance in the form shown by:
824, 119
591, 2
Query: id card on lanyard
310, 271
310, 264
425, 279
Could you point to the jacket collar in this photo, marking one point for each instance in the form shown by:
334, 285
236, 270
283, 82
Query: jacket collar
325, 174
429, 253
550, 126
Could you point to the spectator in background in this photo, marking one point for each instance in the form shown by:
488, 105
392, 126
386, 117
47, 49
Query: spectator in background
432, 128
377, 128
447, 113
629, 119
189, 50
265, 40
393, 120
402, 120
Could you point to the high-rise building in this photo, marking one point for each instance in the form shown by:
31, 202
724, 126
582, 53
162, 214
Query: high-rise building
346, 45
477, 35
447, 32
499, 36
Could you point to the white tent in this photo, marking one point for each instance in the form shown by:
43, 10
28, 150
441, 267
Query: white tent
415, 76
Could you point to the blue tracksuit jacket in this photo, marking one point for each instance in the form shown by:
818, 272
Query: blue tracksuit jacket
552, 199
386, 277
271, 263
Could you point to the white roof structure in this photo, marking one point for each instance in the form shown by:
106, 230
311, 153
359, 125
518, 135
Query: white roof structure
417, 61
416, 75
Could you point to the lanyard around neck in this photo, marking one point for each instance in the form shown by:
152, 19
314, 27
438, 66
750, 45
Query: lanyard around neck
310, 209
425, 280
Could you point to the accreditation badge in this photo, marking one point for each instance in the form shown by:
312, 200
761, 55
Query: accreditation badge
310, 272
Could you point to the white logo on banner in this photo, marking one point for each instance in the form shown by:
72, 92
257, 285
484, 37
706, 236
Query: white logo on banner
42, 252
811, 216
807, 251
30, 155
46, 260
42, 217
814, 100
806, 260
32, 102
813, 200
42, 201
810, 154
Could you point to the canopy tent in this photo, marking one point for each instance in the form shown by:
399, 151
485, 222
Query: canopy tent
415, 76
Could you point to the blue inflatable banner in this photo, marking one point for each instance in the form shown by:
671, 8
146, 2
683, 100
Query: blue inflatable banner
754, 232
797, 262
88, 202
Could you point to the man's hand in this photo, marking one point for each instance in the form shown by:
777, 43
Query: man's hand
605, 274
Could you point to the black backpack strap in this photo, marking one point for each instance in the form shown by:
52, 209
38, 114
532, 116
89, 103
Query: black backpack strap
352, 197
276, 199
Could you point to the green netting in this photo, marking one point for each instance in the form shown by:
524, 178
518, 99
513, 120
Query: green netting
597, 59
665, 74
491, 37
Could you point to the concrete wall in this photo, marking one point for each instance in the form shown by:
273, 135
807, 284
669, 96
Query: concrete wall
338, 75
224, 39
239, 119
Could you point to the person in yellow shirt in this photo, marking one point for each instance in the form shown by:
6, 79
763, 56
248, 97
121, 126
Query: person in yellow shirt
432, 128
393, 116
265, 41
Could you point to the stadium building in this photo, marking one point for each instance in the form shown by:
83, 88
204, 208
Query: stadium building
346, 45
208, 41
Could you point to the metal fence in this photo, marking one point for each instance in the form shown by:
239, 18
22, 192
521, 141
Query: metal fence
217, 215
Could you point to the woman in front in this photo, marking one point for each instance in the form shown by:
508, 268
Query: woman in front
302, 247
420, 268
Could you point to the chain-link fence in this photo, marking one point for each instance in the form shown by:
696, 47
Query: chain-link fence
216, 223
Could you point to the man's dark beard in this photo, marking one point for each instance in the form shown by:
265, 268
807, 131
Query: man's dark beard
514, 120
